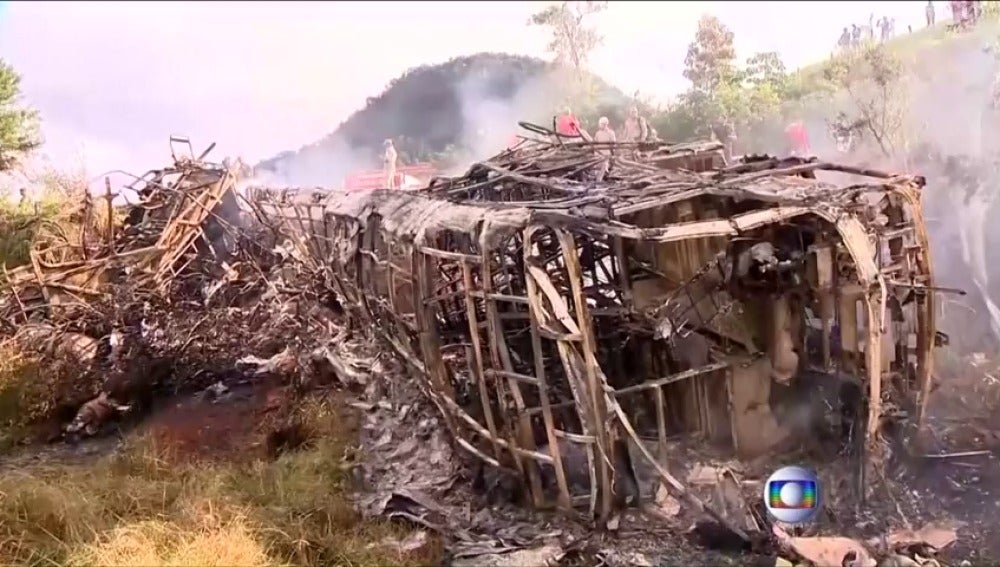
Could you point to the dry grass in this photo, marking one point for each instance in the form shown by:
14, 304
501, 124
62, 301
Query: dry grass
913, 48
19, 396
140, 507
158, 543
59, 215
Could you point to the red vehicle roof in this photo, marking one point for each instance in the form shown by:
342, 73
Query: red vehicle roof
375, 179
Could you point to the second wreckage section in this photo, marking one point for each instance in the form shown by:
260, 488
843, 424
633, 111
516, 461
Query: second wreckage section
545, 313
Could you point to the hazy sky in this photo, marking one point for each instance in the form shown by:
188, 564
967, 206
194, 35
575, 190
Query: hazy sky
114, 79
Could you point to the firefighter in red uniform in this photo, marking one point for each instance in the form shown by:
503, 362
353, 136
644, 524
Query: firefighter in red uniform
513, 141
568, 125
798, 140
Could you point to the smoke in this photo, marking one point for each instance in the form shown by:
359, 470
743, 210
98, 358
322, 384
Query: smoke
490, 113
456, 113
323, 164
951, 114
953, 139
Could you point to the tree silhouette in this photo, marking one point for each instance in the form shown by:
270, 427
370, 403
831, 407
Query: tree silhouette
711, 57
18, 125
873, 79
572, 41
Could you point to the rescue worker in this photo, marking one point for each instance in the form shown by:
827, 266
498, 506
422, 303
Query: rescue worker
958, 12
389, 160
855, 35
929, 13
604, 134
723, 131
29, 202
635, 128
798, 141
842, 130
567, 124
844, 43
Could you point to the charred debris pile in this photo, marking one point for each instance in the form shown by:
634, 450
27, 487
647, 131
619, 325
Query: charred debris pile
173, 298
567, 330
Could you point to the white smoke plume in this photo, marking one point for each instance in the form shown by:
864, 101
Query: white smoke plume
496, 92
490, 122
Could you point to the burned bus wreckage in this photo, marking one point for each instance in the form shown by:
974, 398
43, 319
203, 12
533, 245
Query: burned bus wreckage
566, 329
544, 312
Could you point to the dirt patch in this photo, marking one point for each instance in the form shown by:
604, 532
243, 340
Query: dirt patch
231, 427
960, 479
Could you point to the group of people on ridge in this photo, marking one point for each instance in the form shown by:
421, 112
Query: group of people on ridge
635, 128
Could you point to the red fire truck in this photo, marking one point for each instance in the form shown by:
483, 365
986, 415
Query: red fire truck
407, 177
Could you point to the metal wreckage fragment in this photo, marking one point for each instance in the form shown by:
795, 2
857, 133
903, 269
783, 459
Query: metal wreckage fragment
564, 327
545, 312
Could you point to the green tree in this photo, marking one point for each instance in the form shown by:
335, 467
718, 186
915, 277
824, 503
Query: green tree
873, 80
572, 40
747, 97
18, 125
766, 68
711, 57
710, 65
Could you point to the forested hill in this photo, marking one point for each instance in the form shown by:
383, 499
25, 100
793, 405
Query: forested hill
465, 107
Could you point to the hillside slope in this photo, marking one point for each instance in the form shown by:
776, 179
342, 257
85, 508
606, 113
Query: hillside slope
912, 48
468, 106
951, 136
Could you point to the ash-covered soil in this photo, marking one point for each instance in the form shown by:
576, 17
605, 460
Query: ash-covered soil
407, 469
959, 477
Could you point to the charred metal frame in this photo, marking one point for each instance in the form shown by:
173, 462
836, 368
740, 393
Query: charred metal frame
176, 219
511, 291
540, 308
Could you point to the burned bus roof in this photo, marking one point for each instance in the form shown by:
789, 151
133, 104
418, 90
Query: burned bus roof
548, 184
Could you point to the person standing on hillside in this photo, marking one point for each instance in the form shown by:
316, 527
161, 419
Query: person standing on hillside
389, 159
929, 13
844, 43
635, 128
606, 135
